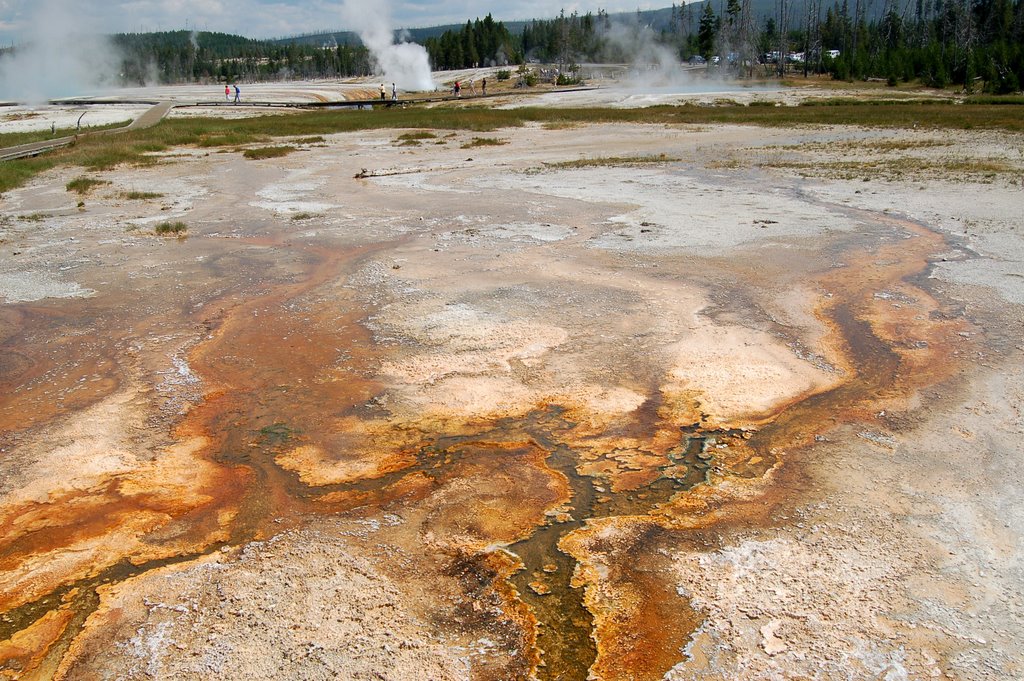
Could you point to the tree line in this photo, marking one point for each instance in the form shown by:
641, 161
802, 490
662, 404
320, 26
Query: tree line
483, 42
976, 44
182, 57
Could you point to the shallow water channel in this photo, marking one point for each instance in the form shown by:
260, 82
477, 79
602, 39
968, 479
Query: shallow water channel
566, 625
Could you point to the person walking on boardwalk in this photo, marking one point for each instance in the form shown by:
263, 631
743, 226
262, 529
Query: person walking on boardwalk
483, 87
383, 93
227, 92
394, 93
238, 93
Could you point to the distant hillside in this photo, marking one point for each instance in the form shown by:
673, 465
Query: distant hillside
330, 38
658, 20
199, 56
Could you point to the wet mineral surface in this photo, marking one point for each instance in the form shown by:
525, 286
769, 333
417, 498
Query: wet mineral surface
464, 418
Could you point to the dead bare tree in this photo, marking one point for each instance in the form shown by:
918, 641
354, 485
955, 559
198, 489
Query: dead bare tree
784, 9
747, 45
812, 35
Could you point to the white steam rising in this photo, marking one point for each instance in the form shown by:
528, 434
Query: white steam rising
405, 64
654, 64
640, 44
59, 56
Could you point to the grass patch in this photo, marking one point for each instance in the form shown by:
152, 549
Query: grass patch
484, 142
141, 196
34, 217
964, 169
15, 173
106, 151
318, 139
887, 146
84, 185
418, 136
610, 161
268, 152
171, 229
1004, 100
561, 125
879, 146
11, 139
228, 138
303, 216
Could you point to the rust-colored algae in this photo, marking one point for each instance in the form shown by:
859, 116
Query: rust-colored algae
888, 351
641, 621
265, 410
22, 655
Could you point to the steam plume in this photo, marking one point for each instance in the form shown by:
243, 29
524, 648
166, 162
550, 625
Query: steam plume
656, 64
59, 56
405, 64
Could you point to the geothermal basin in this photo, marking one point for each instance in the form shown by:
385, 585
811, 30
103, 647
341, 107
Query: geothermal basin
613, 401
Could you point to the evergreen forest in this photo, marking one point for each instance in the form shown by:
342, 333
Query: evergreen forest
976, 45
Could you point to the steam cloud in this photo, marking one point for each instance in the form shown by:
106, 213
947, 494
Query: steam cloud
656, 65
405, 64
58, 57
655, 68
641, 45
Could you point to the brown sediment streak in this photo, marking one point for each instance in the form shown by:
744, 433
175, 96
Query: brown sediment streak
52, 361
889, 335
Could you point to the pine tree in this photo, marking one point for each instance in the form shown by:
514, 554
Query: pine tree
707, 30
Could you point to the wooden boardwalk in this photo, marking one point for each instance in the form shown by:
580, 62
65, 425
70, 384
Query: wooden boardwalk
150, 118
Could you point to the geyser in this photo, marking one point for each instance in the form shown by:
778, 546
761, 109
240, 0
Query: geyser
405, 64
59, 55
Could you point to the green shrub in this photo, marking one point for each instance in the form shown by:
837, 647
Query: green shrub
418, 135
484, 142
171, 229
268, 152
84, 185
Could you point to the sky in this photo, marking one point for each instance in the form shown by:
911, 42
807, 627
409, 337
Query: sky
268, 18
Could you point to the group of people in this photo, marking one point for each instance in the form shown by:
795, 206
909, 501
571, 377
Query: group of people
457, 88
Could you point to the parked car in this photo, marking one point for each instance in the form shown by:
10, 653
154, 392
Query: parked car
716, 60
697, 60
